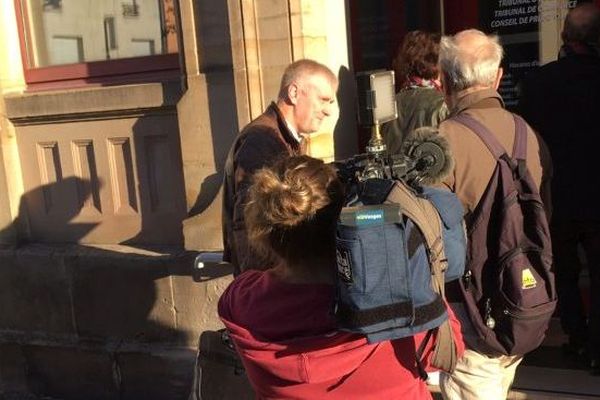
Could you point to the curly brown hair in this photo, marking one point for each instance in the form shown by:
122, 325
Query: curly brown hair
417, 56
292, 209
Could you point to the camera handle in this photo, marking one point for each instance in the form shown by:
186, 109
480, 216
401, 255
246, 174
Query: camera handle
376, 145
377, 151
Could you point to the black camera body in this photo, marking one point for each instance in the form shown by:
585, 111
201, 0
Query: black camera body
381, 166
368, 178
424, 160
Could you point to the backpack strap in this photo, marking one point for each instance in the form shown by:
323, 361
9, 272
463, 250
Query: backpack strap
484, 134
427, 219
520, 146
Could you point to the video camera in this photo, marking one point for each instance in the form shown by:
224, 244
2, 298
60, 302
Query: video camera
424, 158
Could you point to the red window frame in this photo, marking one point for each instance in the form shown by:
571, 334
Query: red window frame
93, 73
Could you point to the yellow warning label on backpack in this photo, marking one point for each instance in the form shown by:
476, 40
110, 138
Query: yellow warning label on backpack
528, 279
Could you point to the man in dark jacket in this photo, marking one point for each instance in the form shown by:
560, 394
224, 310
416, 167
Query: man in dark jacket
561, 101
306, 97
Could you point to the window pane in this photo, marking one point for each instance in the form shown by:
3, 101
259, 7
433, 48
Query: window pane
74, 31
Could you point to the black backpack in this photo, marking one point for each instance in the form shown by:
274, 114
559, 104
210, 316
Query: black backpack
218, 372
508, 287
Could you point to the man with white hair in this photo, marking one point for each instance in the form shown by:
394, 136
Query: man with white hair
470, 72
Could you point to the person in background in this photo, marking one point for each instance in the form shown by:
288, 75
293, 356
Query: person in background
420, 100
561, 101
281, 319
306, 97
471, 73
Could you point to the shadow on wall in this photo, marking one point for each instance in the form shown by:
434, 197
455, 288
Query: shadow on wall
345, 133
59, 203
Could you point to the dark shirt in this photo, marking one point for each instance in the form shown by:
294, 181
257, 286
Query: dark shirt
561, 100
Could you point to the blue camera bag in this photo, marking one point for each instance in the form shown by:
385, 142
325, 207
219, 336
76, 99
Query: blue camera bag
386, 253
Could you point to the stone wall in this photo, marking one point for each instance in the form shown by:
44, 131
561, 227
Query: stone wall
103, 322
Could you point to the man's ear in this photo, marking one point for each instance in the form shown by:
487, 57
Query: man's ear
498, 78
445, 91
293, 91
442, 80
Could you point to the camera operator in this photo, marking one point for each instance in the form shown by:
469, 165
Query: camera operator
306, 97
281, 319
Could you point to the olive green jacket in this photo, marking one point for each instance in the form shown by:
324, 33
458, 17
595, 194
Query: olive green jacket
417, 107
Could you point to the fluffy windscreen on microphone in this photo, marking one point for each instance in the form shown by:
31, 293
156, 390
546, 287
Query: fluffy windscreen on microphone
432, 152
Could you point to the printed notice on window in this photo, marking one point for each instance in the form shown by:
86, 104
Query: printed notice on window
517, 24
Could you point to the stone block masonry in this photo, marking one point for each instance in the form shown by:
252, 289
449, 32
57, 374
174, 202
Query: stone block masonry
103, 322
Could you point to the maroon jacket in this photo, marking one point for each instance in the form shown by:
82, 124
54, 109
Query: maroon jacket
260, 144
287, 339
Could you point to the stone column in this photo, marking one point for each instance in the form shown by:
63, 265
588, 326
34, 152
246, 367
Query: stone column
207, 114
7, 230
11, 80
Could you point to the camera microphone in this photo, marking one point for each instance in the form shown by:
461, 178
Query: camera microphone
431, 152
